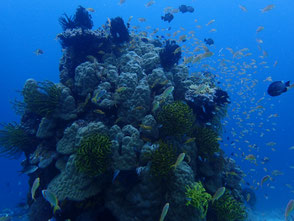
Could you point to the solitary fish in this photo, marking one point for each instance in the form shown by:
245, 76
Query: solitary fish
289, 209
38, 52
90, 9
243, 8
180, 158
35, 186
259, 29
167, 92
220, 191
267, 8
164, 211
52, 199
278, 87
264, 179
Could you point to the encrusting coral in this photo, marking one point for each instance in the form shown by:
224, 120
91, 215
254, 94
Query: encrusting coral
198, 197
93, 154
176, 118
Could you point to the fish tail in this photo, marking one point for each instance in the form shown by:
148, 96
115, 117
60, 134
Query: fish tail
56, 208
287, 84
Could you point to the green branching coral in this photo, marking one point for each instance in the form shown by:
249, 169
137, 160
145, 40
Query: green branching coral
227, 208
42, 98
176, 118
93, 155
198, 197
14, 140
206, 141
162, 159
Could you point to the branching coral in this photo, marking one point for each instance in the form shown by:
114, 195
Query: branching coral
14, 140
170, 54
93, 155
198, 197
82, 19
162, 159
176, 118
227, 208
206, 141
42, 98
118, 31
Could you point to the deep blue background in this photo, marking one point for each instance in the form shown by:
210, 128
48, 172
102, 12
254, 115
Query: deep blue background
28, 25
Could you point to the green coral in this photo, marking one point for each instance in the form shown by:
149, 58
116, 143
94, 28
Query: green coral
93, 155
42, 98
206, 141
14, 140
162, 159
227, 208
176, 118
198, 197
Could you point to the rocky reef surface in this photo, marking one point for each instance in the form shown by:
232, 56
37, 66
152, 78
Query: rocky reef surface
108, 148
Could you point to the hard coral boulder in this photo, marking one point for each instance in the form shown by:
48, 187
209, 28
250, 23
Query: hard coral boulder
86, 78
73, 185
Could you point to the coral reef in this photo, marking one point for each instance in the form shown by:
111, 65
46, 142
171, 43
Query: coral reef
176, 118
108, 136
227, 208
198, 197
93, 154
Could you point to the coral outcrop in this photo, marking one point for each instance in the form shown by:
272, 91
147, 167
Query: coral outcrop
109, 135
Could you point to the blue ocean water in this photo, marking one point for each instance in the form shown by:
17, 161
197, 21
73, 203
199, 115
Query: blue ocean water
29, 25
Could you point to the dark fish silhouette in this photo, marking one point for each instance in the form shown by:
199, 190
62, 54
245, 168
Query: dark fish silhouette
208, 41
167, 17
186, 8
278, 87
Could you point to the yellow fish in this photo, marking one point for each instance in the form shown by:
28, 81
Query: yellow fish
180, 158
120, 89
267, 8
243, 8
190, 140
35, 186
145, 127
210, 22
98, 111
90, 9
259, 29
218, 194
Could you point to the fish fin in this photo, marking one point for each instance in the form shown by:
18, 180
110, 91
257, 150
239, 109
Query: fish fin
56, 208
287, 84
